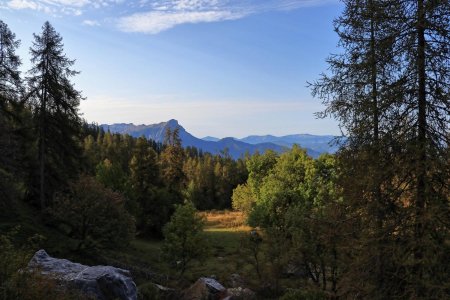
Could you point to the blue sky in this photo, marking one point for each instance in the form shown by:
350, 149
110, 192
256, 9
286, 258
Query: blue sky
220, 67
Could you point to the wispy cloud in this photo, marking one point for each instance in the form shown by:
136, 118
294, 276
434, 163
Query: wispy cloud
156, 21
58, 7
155, 16
91, 23
165, 14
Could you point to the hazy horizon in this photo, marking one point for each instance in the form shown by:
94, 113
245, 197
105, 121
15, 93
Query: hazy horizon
222, 68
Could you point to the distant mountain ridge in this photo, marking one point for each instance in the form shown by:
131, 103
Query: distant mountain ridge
236, 147
318, 143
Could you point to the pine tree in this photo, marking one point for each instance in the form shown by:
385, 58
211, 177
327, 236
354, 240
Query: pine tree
55, 102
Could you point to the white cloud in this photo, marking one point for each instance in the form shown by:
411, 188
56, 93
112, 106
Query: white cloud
165, 14
154, 16
59, 7
91, 23
156, 21
23, 4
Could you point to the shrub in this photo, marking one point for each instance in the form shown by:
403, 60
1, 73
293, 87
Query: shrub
94, 215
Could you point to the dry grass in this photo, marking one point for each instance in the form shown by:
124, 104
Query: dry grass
225, 221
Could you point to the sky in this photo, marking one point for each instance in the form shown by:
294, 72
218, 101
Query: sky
220, 67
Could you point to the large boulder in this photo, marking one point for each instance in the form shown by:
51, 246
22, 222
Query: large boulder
205, 289
101, 282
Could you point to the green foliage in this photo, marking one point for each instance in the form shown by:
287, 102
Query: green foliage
112, 176
284, 185
243, 198
184, 239
94, 215
299, 207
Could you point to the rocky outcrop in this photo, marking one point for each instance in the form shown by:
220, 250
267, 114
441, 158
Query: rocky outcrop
101, 282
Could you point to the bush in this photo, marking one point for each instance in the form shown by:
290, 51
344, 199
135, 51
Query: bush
94, 215
243, 198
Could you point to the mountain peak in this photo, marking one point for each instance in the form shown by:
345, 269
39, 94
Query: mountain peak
237, 147
172, 123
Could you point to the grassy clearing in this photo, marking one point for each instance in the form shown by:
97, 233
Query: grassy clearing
225, 231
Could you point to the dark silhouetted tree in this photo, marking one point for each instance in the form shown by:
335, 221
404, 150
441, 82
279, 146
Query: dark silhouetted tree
55, 103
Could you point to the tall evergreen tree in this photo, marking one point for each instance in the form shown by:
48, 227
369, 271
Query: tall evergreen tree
10, 90
10, 82
55, 102
172, 158
424, 43
390, 89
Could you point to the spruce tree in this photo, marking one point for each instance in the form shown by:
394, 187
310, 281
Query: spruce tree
55, 103
10, 92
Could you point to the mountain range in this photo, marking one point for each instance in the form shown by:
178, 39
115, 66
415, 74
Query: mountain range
314, 144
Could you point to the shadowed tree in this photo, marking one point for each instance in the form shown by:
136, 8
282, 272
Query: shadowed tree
55, 103
12, 117
389, 89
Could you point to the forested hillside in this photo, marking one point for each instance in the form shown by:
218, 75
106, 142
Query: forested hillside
368, 222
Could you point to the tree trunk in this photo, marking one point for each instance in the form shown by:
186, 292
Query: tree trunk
42, 134
421, 151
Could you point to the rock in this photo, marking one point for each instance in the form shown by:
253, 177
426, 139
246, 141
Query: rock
235, 280
239, 293
205, 289
101, 282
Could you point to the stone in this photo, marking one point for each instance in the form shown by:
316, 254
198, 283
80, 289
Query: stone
205, 289
101, 282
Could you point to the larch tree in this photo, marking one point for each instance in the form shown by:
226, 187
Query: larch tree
389, 90
423, 50
55, 102
172, 158
144, 178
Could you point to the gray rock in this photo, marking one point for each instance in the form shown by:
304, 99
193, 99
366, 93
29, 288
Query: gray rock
101, 282
205, 289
